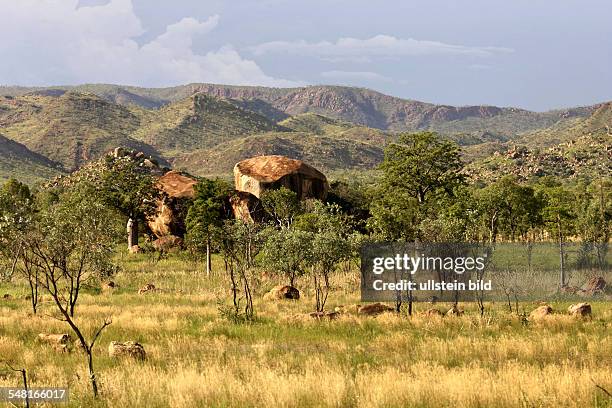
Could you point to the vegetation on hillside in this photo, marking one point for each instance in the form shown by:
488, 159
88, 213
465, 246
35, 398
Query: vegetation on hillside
205, 129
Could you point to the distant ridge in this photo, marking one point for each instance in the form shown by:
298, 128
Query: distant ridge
356, 105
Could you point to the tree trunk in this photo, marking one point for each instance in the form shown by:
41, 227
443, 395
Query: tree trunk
92, 374
561, 254
132, 232
208, 258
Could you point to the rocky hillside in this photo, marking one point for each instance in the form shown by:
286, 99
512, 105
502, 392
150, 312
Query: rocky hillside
196, 122
582, 147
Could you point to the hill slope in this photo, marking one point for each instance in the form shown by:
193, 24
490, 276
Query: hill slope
17, 161
323, 152
580, 148
196, 122
70, 128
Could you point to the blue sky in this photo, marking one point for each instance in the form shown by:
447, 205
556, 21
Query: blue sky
532, 54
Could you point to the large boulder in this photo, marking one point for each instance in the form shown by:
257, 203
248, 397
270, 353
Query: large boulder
169, 219
261, 173
246, 207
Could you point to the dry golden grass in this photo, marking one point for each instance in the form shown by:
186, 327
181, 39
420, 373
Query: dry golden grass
196, 359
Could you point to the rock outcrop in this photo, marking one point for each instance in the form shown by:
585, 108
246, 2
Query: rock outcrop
246, 207
261, 173
169, 219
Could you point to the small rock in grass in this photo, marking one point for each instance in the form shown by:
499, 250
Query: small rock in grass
580, 310
148, 288
433, 312
374, 309
454, 311
282, 292
59, 342
130, 349
324, 315
541, 312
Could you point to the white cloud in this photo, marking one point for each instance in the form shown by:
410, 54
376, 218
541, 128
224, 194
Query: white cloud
377, 46
57, 42
356, 76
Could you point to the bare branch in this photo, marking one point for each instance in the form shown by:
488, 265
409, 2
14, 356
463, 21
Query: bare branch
106, 323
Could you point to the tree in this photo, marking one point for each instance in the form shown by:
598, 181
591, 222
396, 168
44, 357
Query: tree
17, 215
131, 190
71, 245
282, 204
205, 216
594, 219
559, 216
287, 251
331, 244
240, 243
509, 207
423, 165
419, 167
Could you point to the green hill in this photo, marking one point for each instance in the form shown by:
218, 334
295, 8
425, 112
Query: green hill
323, 152
207, 128
17, 161
71, 128
198, 122
322, 125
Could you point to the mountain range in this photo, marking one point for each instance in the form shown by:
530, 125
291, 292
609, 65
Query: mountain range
205, 129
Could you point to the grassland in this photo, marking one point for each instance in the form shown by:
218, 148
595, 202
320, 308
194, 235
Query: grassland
285, 358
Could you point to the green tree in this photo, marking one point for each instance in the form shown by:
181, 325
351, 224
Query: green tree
17, 216
594, 219
286, 251
559, 216
240, 242
331, 233
508, 207
205, 216
417, 170
282, 205
71, 244
131, 190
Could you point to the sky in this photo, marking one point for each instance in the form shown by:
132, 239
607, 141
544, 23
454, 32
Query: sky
536, 55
